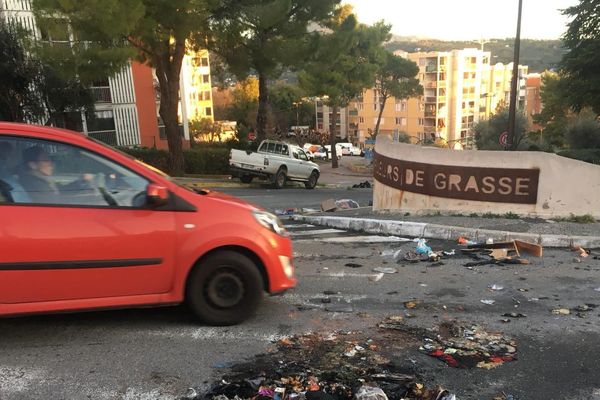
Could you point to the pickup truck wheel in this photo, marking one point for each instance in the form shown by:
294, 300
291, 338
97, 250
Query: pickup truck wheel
312, 180
225, 289
246, 178
280, 178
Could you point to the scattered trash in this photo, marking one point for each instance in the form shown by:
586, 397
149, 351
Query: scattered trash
561, 311
422, 247
412, 256
339, 308
353, 265
325, 300
582, 252
370, 393
597, 289
328, 205
412, 304
375, 278
449, 253
339, 366
288, 211
514, 315
469, 347
496, 287
362, 185
465, 242
488, 302
346, 204
385, 270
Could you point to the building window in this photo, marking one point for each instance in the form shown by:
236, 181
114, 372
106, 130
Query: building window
360, 106
401, 121
204, 61
208, 111
206, 95
205, 78
382, 122
361, 120
420, 121
102, 121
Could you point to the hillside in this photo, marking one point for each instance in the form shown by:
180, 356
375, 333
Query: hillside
539, 55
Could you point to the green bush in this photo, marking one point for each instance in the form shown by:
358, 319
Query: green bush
201, 160
588, 155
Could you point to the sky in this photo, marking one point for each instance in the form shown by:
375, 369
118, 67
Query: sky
466, 19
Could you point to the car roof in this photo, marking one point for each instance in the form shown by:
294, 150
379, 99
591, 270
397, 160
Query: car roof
57, 133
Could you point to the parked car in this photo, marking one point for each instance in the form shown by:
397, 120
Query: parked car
124, 234
275, 161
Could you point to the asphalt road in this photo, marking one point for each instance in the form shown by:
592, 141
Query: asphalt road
159, 353
292, 197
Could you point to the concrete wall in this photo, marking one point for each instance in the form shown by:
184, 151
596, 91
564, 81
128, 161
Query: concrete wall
565, 186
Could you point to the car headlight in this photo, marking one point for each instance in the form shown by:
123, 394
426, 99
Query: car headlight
270, 222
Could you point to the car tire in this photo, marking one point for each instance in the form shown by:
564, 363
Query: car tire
312, 180
246, 178
224, 289
279, 178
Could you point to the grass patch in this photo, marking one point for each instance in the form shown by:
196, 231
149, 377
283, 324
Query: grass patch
580, 219
511, 215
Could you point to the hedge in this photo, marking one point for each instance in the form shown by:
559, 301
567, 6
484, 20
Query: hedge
201, 160
588, 155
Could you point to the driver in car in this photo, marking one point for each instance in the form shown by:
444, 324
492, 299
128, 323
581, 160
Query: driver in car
37, 179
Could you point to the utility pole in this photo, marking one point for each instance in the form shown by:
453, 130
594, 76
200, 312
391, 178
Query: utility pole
512, 109
482, 42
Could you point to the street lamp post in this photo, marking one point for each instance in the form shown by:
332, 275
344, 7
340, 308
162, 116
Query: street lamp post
512, 109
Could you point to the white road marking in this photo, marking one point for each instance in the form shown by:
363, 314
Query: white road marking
358, 239
316, 232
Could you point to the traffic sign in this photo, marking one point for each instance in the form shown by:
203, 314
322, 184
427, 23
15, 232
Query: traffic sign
504, 138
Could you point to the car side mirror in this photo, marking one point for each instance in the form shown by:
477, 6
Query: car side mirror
157, 195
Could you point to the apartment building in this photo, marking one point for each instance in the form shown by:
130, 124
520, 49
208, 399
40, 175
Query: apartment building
127, 103
460, 88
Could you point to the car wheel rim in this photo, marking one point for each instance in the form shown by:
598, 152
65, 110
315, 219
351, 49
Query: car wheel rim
281, 179
225, 289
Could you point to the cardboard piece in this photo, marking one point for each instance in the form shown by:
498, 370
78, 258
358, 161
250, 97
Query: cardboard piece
530, 248
328, 205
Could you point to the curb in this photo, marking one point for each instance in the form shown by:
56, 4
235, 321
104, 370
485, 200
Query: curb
444, 232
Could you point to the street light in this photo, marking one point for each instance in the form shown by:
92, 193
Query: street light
512, 108
297, 104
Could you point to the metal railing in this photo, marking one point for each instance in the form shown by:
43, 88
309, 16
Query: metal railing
101, 94
108, 137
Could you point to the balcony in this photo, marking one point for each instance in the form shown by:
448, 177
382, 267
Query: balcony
431, 68
431, 99
108, 137
430, 114
101, 94
353, 112
430, 84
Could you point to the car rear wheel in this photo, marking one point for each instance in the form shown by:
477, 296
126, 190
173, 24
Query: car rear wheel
224, 289
279, 179
312, 180
246, 178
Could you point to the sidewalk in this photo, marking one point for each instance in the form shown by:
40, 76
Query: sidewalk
544, 232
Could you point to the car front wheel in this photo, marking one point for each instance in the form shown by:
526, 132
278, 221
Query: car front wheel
224, 289
312, 180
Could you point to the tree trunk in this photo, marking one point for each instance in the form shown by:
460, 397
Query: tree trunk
381, 107
334, 160
263, 106
168, 69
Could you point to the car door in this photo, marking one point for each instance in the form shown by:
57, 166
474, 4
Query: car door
305, 167
95, 240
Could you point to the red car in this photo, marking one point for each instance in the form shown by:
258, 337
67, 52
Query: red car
84, 226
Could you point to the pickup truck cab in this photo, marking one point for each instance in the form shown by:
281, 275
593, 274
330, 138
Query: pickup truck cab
275, 161
86, 227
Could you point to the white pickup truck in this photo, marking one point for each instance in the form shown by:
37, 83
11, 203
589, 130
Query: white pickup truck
275, 161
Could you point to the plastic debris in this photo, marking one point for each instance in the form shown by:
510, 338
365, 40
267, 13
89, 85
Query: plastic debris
496, 287
375, 278
422, 247
365, 184
370, 393
346, 204
561, 311
488, 302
